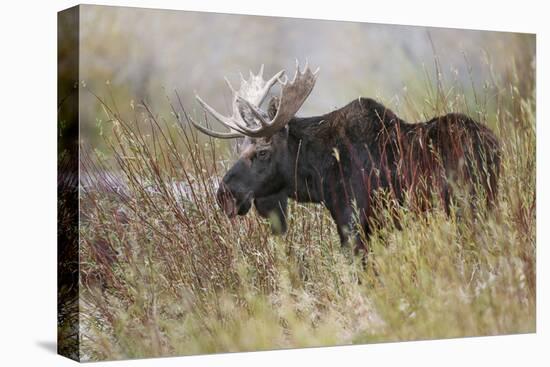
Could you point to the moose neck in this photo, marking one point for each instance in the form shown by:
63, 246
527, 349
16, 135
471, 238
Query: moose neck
306, 160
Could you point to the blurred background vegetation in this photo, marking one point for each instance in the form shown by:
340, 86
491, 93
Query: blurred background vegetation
164, 272
147, 54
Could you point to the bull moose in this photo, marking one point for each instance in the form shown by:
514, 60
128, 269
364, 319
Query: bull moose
342, 159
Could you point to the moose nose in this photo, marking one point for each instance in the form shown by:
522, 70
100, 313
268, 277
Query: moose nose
226, 200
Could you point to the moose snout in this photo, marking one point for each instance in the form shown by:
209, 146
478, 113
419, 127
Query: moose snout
234, 202
226, 201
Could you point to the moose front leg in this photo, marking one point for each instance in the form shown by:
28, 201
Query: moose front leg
349, 230
342, 216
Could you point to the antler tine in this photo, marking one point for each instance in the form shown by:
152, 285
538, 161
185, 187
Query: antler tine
227, 122
268, 85
229, 85
213, 133
274, 79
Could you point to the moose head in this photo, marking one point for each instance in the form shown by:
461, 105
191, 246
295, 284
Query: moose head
262, 173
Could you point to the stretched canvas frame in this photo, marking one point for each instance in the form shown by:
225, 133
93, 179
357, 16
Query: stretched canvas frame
148, 264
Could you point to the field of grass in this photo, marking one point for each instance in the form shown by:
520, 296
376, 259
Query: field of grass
164, 272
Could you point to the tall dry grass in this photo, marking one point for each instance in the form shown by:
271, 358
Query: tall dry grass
164, 272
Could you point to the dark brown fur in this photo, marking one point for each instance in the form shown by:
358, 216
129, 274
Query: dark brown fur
343, 158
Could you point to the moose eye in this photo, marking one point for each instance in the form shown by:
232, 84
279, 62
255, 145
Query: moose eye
263, 154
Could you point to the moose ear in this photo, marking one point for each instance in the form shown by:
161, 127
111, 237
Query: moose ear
274, 208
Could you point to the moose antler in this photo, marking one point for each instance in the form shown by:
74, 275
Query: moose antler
251, 94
